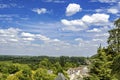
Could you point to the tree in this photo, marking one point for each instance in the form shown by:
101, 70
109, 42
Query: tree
116, 67
100, 67
114, 38
45, 63
42, 74
12, 77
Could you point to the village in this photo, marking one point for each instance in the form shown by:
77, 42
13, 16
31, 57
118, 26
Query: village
77, 73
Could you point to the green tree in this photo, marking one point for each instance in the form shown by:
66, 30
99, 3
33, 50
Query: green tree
116, 67
114, 38
100, 67
45, 63
12, 77
3, 76
25, 73
42, 74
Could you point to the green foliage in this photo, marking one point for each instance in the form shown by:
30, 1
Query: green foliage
3, 76
106, 63
100, 67
92, 77
36, 68
12, 77
45, 63
114, 38
8, 68
42, 74
116, 67
25, 74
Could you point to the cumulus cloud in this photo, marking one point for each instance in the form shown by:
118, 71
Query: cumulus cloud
40, 10
72, 9
9, 35
96, 18
87, 20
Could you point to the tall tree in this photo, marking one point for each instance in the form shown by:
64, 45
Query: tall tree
116, 67
114, 38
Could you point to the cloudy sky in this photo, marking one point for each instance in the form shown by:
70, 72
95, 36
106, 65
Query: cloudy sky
55, 27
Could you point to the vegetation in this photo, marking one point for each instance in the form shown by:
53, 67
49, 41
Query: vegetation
106, 63
36, 67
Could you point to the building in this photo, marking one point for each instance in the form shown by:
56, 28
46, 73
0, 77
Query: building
78, 73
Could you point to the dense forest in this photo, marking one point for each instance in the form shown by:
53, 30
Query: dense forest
105, 65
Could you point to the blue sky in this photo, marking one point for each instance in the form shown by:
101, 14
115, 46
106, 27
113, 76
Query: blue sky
55, 27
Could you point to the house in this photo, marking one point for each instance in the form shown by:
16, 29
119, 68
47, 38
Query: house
78, 73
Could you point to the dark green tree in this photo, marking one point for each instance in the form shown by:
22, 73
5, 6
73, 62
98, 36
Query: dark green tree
116, 67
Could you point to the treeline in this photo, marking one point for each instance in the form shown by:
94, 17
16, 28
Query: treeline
36, 59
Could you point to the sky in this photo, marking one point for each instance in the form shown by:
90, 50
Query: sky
55, 27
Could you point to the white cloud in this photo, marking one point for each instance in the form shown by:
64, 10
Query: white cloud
24, 34
9, 17
113, 10
40, 10
41, 37
102, 35
72, 9
96, 18
87, 20
99, 10
13, 40
94, 30
28, 39
56, 40
107, 1
9, 35
99, 40
3, 41
78, 39
74, 25
72, 22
